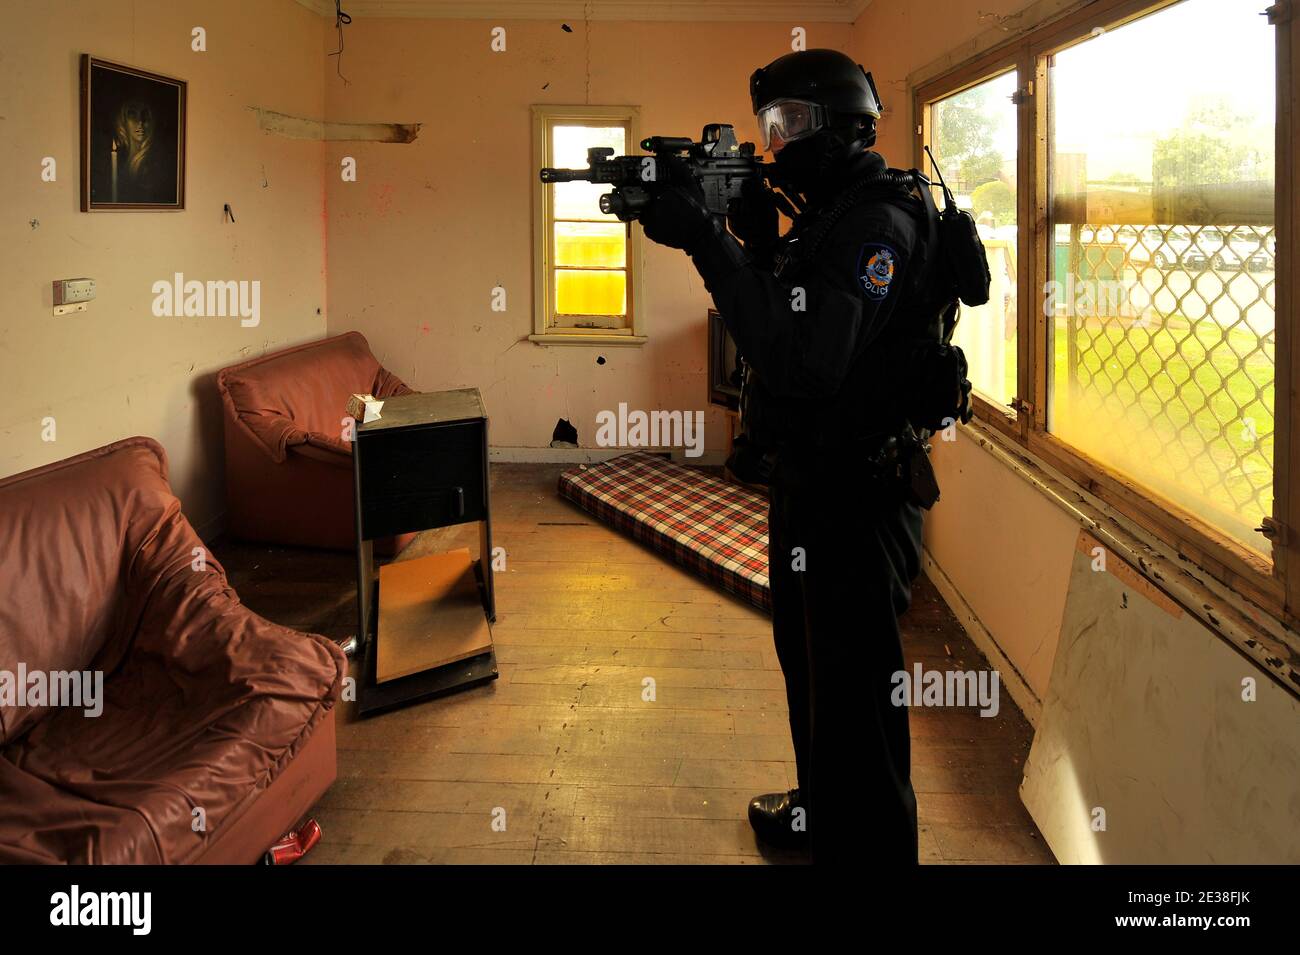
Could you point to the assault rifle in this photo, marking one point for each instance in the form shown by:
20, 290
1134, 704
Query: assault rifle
717, 162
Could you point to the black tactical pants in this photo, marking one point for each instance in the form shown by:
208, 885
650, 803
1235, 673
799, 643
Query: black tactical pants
837, 638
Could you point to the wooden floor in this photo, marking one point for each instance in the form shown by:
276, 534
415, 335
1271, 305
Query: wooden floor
562, 744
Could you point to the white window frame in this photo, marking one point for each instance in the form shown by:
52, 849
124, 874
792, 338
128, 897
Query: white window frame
1272, 582
546, 328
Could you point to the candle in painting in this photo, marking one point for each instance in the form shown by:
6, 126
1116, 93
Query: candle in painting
114, 172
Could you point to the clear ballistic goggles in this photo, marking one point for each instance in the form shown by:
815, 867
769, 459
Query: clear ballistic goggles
789, 120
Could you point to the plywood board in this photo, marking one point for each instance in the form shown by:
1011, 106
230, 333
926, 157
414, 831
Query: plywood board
430, 614
1157, 729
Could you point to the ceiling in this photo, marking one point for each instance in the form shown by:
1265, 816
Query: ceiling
813, 11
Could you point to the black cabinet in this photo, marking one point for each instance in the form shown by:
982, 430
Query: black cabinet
422, 464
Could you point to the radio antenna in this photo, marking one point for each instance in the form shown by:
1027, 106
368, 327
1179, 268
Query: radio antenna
948, 199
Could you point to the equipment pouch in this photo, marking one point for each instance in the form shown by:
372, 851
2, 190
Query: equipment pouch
940, 392
963, 250
922, 486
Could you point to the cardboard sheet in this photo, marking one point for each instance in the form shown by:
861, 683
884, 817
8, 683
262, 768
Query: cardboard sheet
430, 614
1158, 742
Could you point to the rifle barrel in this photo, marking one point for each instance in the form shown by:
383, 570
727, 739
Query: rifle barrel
565, 175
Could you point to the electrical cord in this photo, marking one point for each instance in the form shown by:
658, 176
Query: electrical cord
341, 20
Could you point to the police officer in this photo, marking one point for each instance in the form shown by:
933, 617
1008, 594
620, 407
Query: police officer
827, 320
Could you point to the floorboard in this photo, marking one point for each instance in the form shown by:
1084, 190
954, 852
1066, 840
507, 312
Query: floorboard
561, 761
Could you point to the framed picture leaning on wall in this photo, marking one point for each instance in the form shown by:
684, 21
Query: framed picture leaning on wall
132, 138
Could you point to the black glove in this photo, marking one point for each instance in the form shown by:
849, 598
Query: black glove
753, 217
676, 216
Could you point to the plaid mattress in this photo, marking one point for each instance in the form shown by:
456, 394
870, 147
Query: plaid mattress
707, 525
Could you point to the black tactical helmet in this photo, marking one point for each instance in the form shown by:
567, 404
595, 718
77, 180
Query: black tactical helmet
823, 107
826, 77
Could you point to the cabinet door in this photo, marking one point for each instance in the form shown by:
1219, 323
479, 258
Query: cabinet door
419, 477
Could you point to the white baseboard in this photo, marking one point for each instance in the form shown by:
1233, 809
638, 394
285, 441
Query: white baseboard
590, 455
1009, 676
553, 455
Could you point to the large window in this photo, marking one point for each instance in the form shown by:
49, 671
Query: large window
583, 258
973, 138
1138, 142
1162, 216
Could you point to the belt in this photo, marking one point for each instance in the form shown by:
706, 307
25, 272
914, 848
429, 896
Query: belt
879, 459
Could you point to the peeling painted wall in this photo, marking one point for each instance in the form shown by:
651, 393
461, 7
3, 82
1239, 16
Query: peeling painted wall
418, 242
301, 127
117, 370
1007, 549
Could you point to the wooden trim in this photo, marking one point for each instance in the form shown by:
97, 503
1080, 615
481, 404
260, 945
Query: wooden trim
561, 337
1236, 565
1104, 13
1261, 580
591, 328
543, 307
1038, 236
1076, 27
542, 204
1286, 451
1232, 615
972, 73
1225, 558
84, 118
1029, 281
1005, 419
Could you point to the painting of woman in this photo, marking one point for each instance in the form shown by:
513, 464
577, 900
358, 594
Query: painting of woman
133, 138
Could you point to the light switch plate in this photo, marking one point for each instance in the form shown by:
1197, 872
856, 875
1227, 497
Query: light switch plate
74, 307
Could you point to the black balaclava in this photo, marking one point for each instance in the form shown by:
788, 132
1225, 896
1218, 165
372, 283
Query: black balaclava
822, 163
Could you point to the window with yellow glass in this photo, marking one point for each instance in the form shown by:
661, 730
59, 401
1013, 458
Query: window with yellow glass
584, 259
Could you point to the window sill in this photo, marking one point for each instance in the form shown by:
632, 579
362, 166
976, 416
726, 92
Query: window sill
1258, 634
594, 338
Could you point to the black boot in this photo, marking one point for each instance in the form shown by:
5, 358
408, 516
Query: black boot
773, 817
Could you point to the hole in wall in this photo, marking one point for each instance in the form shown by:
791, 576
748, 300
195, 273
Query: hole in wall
565, 435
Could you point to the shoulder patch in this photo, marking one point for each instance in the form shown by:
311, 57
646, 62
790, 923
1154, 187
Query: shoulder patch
877, 264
